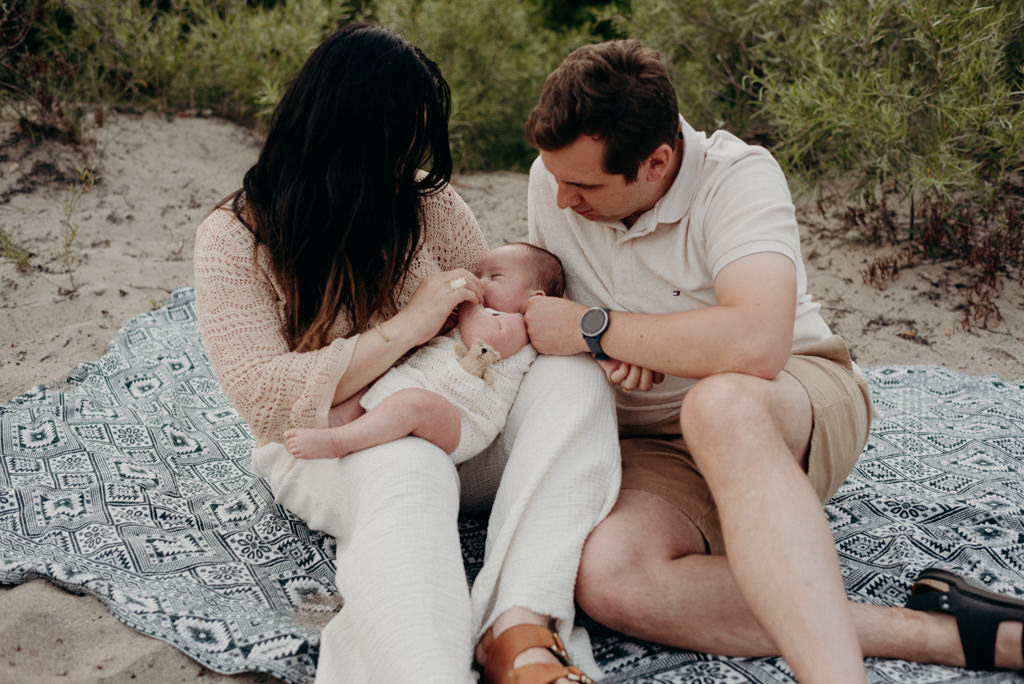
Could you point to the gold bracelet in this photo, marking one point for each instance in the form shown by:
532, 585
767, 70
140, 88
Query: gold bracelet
380, 331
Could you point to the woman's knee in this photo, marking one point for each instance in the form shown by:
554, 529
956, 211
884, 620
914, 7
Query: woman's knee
566, 383
565, 405
329, 494
412, 466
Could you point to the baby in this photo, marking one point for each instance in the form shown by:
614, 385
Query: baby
432, 394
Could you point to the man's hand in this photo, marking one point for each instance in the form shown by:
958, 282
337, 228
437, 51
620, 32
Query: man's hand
629, 376
553, 324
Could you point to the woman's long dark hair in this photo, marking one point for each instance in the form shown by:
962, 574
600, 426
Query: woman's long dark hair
335, 194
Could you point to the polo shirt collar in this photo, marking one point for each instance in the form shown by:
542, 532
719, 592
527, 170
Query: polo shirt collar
675, 203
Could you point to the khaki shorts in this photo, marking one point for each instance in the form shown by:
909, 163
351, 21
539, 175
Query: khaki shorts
655, 458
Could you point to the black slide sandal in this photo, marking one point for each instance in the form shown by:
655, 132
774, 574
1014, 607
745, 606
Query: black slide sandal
978, 612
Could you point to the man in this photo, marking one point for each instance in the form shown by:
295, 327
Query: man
739, 411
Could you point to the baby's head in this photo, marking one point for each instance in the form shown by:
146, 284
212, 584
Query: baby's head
515, 272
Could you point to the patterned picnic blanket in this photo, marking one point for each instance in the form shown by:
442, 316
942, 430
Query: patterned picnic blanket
135, 486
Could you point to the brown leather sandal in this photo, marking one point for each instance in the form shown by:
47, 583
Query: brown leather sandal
502, 652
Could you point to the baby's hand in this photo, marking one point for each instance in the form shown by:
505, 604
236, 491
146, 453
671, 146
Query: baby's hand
505, 332
435, 299
510, 335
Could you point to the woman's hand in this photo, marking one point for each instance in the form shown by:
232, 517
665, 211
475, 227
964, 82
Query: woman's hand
415, 325
629, 376
435, 300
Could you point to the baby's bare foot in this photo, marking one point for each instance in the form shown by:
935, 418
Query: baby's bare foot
312, 443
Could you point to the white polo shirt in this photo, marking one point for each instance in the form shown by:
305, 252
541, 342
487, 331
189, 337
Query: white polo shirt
729, 200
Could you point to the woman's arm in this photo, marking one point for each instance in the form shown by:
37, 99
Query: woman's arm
421, 319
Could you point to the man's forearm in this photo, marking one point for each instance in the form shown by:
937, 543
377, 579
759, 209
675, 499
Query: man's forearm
700, 343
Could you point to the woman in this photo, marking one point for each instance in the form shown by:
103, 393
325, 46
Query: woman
337, 257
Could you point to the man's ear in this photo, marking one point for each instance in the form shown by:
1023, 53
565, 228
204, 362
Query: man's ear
657, 164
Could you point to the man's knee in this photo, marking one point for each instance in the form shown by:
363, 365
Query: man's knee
722, 411
727, 418
618, 568
609, 575
721, 402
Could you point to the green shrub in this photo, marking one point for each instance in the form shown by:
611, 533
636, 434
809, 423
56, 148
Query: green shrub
33, 86
918, 93
595, 16
714, 51
925, 92
495, 56
13, 250
923, 97
221, 55
232, 57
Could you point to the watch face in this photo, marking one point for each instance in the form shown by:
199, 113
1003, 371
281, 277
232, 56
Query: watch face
594, 322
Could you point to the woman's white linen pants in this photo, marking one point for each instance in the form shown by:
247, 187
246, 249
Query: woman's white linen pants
408, 614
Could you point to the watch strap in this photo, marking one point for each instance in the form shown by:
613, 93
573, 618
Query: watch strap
595, 348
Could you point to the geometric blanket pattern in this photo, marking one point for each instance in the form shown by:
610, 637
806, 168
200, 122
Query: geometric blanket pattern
135, 486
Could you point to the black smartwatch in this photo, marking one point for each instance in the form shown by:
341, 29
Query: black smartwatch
593, 325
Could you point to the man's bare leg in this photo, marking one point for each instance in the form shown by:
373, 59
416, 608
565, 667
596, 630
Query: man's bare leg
780, 590
644, 573
417, 412
748, 437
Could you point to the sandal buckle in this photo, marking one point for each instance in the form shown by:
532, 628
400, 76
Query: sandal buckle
576, 675
558, 648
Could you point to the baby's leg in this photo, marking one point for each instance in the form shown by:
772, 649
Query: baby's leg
346, 411
413, 411
318, 441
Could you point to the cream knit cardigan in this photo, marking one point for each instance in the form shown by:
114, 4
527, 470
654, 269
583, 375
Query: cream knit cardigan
241, 310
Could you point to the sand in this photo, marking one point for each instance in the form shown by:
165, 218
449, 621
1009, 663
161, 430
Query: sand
156, 176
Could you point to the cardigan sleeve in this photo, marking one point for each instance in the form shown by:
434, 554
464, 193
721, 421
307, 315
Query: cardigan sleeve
241, 314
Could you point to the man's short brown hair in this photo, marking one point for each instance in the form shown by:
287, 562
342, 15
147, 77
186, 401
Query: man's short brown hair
618, 92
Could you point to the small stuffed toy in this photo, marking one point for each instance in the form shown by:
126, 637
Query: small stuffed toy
477, 358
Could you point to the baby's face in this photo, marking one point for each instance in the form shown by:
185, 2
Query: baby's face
508, 278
